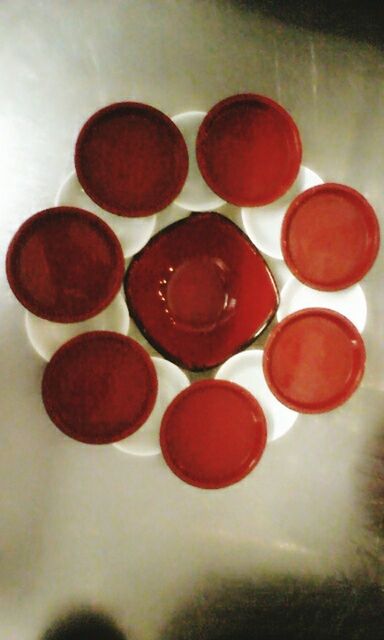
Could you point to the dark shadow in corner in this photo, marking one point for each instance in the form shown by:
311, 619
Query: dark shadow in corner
371, 484
375, 488
84, 624
346, 18
289, 609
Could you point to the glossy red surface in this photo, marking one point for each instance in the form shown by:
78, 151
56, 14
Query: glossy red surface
99, 387
248, 150
330, 237
65, 264
200, 291
314, 360
213, 434
131, 159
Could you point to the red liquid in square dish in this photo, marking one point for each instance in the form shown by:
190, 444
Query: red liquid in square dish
200, 291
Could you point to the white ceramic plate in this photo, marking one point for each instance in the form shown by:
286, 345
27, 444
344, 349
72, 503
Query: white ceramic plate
246, 369
350, 302
46, 337
263, 224
145, 441
133, 233
195, 195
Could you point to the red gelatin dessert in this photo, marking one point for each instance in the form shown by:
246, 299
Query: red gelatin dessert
99, 387
249, 150
213, 434
131, 159
314, 360
65, 264
200, 291
330, 237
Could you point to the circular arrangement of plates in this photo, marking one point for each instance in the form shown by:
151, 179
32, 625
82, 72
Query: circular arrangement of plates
198, 289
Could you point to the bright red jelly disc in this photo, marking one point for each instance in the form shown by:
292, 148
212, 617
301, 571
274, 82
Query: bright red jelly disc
248, 150
213, 434
330, 237
314, 360
131, 159
200, 291
65, 264
99, 387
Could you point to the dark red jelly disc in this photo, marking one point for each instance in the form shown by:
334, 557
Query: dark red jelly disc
213, 434
314, 360
248, 150
65, 264
131, 159
200, 291
330, 237
99, 387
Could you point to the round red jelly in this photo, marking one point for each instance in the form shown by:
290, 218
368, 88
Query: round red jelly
314, 360
65, 264
213, 434
248, 150
330, 237
99, 387
131, 159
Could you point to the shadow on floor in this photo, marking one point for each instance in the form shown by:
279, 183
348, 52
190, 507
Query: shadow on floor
84, 624
372, 494
281, 609
356, 20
